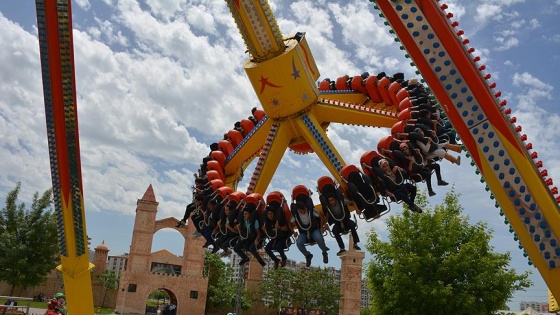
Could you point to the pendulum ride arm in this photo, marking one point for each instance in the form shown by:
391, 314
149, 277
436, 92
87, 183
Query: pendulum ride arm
312, 132
272, 152
477, 116
54, 23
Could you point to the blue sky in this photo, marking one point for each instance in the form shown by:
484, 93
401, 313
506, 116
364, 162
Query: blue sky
157, 81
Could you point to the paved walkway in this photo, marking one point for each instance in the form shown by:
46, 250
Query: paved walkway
38, 311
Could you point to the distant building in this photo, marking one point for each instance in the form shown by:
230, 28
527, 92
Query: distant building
296, 266
117, 263
537, 306
366, 295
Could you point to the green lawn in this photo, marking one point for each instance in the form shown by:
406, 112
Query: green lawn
43, 305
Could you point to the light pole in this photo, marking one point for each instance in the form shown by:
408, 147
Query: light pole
124, 297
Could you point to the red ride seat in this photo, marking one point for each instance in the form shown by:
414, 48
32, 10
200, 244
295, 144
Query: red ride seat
342, 82
382, 86
323, 181
405, 103
276, 199
212, 175
247, 126
300, 193
405, 114
224, 191
215, 184
401, 95
225, 146
259, 114
399, 128
325, 85
384, 144
393, 89
219, 156
371, 89
235, 137
347, 170
215, 166
357, 84
365, 161
236, 196
257, 200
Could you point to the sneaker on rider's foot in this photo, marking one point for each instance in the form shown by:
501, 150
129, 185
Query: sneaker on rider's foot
417, 209
431, 193
325, 257
356, 247
196, 234
341, 252
308, 259
442, 183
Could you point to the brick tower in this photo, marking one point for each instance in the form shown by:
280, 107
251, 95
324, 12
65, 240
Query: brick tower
351, 281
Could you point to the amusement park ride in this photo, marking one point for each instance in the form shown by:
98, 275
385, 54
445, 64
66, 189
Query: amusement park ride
298, 111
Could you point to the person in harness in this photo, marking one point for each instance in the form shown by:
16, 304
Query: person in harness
310, 224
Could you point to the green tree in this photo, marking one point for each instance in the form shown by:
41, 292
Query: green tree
275, 289
221, 290
326, 291
109, 281
313, 288
438, 263
29, 240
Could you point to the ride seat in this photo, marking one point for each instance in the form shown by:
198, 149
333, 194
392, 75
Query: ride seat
259, 114
300, 193
382, 86
247, 126
235, 137
325, 85
357, 84
342, 82
211, 175
218, 156
215, 166
393, 89
401, 95
225, 146
371, 89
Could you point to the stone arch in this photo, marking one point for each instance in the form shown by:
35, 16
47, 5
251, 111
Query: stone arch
138, 280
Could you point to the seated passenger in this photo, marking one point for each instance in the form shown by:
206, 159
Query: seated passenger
397, 188
413, 163
361, 192
228, 222
310, 224
419, 166
249, 237
335, 207
190, 209
432, 150
275, 227
211, 218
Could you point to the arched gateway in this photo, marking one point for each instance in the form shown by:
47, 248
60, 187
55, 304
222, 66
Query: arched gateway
144, 269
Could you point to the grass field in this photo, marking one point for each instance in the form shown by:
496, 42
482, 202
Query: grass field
43, 305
